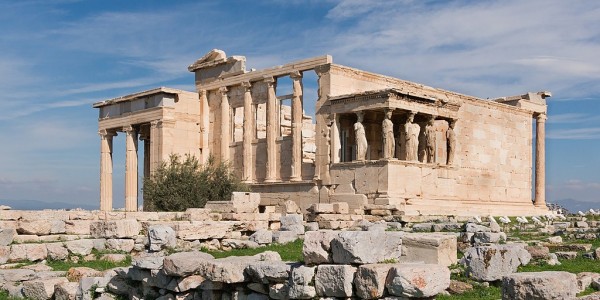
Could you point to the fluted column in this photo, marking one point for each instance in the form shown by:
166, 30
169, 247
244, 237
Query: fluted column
297, 112
271, 131
540, 161
204, 116
248, 134
131, 169
225, 124
106, 169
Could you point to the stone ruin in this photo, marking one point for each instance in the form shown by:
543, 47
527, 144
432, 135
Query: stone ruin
374, 141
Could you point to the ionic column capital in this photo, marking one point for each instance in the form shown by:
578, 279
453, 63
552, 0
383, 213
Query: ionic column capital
105, 133
202, 93
541, 118
247, 85
128, 129
269, 80
322, 69
296, 75
223, 90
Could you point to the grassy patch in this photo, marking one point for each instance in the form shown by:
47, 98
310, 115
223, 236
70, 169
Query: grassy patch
576, 265
5, 296
98, 264
289, 252
478, 292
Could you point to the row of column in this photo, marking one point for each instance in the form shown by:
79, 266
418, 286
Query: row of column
249, 127
131, 168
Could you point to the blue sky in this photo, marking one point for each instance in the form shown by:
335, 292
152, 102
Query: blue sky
58, 57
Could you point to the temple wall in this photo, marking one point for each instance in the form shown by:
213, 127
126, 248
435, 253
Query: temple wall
493, 159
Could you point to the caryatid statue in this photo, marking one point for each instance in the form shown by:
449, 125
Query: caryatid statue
451, 142
411, 138
389, 142
361, 137
430, 140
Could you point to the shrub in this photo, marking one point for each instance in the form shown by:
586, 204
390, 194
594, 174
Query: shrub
180, 184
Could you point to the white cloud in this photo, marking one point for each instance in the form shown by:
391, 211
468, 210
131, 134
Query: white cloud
574, 134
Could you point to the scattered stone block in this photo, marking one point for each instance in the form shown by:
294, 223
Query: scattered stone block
7, 235
459, 287
125, 245
16, 275
539, 285
538, 252
31, 252
238, 244
357, 247
300, 283
472, 227
284, 237
76, 273
341, 208
321, 208
489, 237
585, 279
40, 227
334, 280
268, 271
566, 254
430, 248
417, 280
422, 227
293, 223
369, 281
149, 262
125, 228
80, 247
262, 237
41, 289
185, 263
316, 247
161, 236
290, 207
57, 251
555, 239
113, 257
491, 263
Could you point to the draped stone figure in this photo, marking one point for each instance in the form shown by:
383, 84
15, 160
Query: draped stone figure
411, 138
389, 142
361, 137
430, 141
451, 142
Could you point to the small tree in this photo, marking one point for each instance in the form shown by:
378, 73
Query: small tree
177, 185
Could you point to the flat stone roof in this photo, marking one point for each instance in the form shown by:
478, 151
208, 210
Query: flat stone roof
159, 90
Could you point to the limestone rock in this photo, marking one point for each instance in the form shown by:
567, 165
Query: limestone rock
490, 263
16, 275
4, 254
459, 287
238, 244
284, 237
300, 283
431, 248
293, 223
161, 236
290, 207
189, 283
489, 237
31, 252
113, 257
334, 280
41, 289
65, 290
357, 247
268, 271
7, 235
539, 285
279, 291
57, 251
472, 227
369, 281
40, 227
317, 246
125, 228
555, 239
76, 273
585, 279
538, 252
125, 245
80, 247
417, 280
149, 262
566, 254
262, 236
185, 263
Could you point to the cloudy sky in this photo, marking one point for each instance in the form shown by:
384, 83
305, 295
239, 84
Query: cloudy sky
58, 57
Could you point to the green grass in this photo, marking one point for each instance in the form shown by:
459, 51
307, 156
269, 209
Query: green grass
576, 265
478, 292
289, 252
99, 264
5, 296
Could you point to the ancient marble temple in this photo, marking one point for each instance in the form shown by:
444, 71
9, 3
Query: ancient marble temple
374, 139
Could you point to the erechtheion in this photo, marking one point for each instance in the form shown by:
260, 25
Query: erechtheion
374, 140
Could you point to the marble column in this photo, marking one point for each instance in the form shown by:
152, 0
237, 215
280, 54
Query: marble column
145, 138
297, 113
131, 169
204, 120
106, 169
540, 161
225, 124
272, 130
248, 133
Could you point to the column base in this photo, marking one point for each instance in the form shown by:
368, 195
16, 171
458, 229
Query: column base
270, 180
